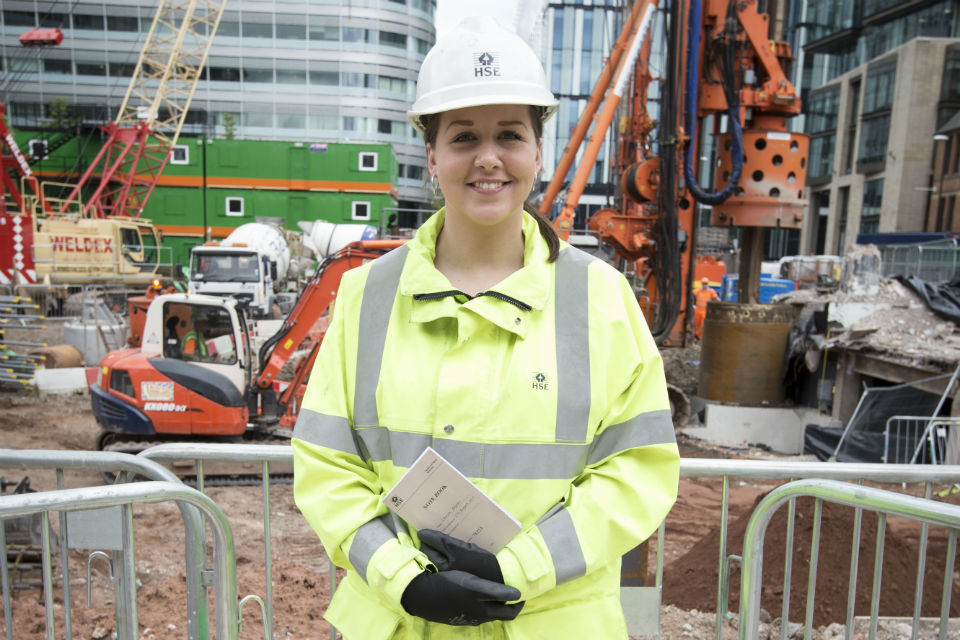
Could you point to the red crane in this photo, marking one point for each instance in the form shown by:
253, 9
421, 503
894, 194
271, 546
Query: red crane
146, 129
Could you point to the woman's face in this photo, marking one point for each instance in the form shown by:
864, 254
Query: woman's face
486, 159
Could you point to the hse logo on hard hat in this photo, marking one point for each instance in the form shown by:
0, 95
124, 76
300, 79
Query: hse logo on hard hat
486, 65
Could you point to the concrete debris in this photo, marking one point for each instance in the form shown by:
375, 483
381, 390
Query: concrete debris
873, 314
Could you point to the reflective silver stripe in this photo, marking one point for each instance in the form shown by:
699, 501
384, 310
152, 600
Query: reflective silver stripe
369, 537
376, 305
547, 461
522, 461
653, 427
573, 346
332, 432
564, 546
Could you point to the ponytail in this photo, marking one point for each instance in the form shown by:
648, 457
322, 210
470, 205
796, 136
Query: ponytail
546, 230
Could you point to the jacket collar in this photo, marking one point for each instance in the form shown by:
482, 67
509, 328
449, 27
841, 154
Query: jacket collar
529, 285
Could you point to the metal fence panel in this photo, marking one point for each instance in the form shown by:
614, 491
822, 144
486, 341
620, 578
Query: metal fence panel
125, 495
933, 263
774, 469
884, 502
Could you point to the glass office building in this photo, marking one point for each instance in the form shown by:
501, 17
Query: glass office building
312, 70
879, 80
577, 38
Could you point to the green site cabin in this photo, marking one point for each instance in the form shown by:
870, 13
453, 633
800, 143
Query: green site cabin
217, 185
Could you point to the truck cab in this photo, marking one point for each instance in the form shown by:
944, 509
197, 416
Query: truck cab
189, 375
242, 273
84, 250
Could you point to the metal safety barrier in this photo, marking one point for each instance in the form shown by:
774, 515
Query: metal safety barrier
264, 455
124, 496
931, 262
110, 462
926, 511
271, 456
774, 469
908, 439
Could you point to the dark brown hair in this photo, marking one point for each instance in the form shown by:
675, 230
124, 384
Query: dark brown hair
431, 126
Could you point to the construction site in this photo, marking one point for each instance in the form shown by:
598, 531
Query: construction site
164, 295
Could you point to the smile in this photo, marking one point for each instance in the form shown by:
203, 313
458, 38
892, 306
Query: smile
488, 186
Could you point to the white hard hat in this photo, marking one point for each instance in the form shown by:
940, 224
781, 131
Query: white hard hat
479, 62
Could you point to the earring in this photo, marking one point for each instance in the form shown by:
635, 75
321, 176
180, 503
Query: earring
435, 183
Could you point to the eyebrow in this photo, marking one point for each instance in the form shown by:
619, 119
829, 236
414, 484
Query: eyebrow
502, 123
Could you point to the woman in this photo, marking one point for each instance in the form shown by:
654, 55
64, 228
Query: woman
521, 360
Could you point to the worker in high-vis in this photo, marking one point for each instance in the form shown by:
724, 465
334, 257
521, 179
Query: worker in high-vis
703, 296
521, 360
193, 344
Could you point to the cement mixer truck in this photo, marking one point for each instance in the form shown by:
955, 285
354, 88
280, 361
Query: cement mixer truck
254, 263
250, 264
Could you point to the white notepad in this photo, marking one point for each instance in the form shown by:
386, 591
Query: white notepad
433, 494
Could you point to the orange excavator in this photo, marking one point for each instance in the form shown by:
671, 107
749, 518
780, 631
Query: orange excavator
189, 371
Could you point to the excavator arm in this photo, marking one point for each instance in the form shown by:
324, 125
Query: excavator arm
300, 331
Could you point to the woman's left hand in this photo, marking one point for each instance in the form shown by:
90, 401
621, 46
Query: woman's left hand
453, 554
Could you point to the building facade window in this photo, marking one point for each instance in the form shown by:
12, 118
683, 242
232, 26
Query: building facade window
324, 32
91, 68
822, 109
934, 21
53, 19
842, 221
325, 78
122, 23
37, 148
180, 154
57, 66
826, 17
853, 108
289, 29
257, 29
875, 117
354, 79
353, 34
122, 69
367, 161
360, 210
949, 87
234, 206
19, 18
391, 39
224, 74
257, 75
872, 205
89, 22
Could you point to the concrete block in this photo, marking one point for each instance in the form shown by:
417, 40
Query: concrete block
69, 380
779, 428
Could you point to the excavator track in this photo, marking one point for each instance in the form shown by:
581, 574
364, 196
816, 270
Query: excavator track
217, 474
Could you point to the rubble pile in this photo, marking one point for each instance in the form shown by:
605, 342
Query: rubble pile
872, 314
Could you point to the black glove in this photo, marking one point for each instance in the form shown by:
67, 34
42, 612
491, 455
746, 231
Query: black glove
453, 554
458, 598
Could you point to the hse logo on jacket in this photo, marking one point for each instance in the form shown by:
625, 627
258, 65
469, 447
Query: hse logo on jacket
547, 392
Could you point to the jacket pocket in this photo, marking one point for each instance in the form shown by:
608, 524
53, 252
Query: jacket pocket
359, 614
599, 618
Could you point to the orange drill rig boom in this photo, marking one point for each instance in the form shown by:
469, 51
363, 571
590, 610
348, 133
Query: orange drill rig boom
722, 52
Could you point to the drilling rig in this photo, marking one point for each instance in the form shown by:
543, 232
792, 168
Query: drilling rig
725, 63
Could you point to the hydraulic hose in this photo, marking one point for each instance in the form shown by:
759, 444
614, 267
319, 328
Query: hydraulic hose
733, 115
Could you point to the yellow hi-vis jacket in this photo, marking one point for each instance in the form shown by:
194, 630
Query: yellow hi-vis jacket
547, 392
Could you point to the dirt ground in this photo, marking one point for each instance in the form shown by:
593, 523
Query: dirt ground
301, 572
